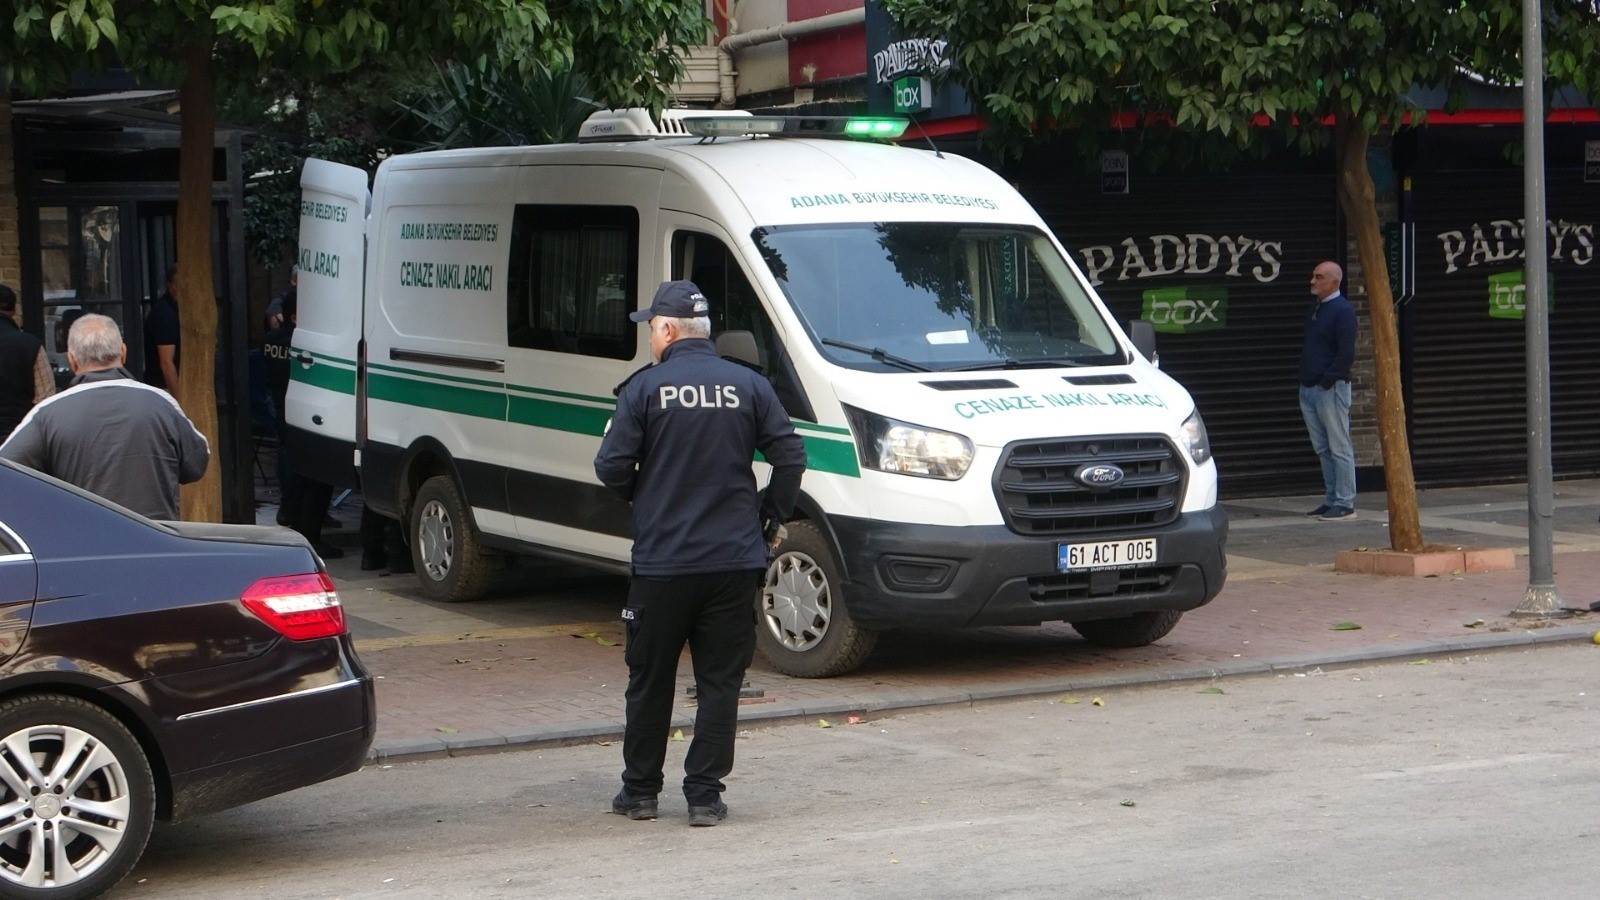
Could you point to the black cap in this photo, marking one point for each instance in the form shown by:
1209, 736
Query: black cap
675, 300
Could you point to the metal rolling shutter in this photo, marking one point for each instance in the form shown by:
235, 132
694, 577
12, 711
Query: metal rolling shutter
1243, 374
1469, 412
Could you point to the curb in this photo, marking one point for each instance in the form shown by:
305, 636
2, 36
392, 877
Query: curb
410, 749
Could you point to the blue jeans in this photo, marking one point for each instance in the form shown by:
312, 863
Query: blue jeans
1327, 415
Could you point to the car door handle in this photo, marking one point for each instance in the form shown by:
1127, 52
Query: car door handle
304, 359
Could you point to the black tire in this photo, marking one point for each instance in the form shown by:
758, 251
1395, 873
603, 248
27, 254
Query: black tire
105, 821
445, 550
802, 624
1136, 630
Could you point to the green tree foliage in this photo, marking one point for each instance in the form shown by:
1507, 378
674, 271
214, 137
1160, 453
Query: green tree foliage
1213, 74
209, 48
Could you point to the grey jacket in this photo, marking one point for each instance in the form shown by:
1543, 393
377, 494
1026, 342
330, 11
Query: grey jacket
116, 437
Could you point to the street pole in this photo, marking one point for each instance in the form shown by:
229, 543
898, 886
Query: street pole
1542, 599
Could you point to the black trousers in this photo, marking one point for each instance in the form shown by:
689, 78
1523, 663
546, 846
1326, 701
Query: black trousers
715, 615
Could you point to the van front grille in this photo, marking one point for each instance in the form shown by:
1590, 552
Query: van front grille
1040, 495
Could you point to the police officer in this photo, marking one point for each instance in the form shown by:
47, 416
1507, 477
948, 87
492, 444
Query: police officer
679, 450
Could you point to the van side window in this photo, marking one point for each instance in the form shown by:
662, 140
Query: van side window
572, 279
708, 263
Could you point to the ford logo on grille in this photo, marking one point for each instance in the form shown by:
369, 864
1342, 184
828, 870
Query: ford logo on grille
1099, 475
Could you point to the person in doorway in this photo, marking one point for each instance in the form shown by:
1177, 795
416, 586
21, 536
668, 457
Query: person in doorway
302, 502
1325, 361
109, 434
275, 314
25, 377
679, 450
161, 338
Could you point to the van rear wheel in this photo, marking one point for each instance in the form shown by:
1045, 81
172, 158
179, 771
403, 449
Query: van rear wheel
802, 625
444, 544
1136, 630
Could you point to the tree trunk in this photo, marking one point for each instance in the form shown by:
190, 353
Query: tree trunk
1357, 200
197, 303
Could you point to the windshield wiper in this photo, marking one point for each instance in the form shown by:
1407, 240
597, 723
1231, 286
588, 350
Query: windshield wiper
879, 354
1045, 362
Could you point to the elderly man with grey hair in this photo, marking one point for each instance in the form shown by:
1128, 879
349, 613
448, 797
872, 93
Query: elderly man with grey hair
108, 433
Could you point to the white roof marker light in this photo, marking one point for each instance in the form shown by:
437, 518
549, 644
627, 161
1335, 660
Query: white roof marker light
808, 126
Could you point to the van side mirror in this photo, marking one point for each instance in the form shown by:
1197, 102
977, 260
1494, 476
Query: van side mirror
1144, 338
741, 346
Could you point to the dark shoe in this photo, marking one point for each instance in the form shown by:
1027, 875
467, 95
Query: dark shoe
283, 520
327, 551
371, 563
1339, 514
635, 808
1319, 511
704, 816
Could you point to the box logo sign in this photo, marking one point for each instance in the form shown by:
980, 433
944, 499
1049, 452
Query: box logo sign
913, 94
1186, 309
1508, 294
1113, 172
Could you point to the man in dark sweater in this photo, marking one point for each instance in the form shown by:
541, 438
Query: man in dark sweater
25, 376
1325, 390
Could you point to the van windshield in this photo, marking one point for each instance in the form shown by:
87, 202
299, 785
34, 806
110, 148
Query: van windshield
936, 296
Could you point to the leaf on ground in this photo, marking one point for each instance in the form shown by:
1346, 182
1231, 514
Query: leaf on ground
678, 735
1129, 803
1098, 702
448, 730
605, 643
823, 723
587, 635
1068, 700
1347, 626
1417, 662
462, 662
1211, 690
491, 659
1361, 549
530, 658
1475, 623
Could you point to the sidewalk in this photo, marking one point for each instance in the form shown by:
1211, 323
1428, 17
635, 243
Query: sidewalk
540, 660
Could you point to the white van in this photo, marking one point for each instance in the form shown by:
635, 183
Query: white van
985, 446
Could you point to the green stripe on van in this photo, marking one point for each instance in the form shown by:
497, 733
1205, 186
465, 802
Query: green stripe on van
550, 409
468, 401
325, 376
559, 416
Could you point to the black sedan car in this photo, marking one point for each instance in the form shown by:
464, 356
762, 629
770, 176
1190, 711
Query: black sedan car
155, 670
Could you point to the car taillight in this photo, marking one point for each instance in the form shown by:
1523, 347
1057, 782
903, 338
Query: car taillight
299, 607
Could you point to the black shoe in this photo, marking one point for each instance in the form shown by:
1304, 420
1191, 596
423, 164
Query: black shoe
1319, 511
327, 551
371, 563
1339, 514
705, 816
635, 808
283, 520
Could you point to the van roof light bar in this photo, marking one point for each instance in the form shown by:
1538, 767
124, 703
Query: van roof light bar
882, 128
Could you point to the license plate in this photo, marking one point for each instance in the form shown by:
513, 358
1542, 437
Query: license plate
1105, 555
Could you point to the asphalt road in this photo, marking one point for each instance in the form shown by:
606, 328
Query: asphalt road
1464, 777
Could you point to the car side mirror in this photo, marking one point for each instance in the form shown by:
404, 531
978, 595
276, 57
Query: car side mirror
1143, 335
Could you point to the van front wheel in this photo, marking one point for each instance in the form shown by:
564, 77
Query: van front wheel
1136, 630
444, 546
802, 625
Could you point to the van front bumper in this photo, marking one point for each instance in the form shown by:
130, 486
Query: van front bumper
899, 575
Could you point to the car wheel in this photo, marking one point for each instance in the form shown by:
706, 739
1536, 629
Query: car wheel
802, 625
444, 544
76, 798
1136, 630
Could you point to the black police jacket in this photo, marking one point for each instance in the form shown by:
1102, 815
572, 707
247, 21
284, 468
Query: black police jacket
679, 449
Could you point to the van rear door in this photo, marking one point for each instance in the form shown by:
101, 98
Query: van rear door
326, 390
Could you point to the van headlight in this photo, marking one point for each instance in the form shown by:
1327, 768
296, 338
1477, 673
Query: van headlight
1193, 435
890, 445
